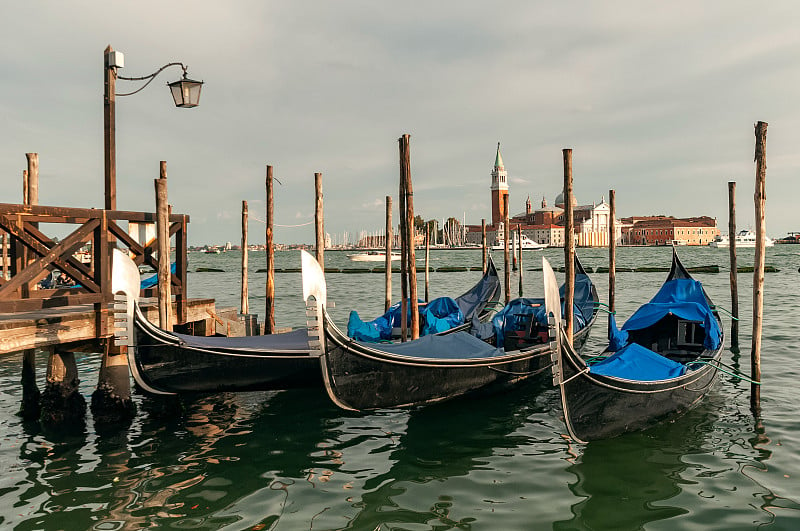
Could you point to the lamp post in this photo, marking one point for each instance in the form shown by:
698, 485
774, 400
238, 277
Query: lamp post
185, 93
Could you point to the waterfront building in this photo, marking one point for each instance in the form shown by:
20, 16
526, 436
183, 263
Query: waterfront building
668, 230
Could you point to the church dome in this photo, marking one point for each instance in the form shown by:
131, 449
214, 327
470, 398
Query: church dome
560, 200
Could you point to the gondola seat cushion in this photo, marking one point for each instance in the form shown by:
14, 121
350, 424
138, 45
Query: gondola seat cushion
637, 363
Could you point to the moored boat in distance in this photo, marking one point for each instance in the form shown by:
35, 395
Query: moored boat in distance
744, 239
372, 256
526, 245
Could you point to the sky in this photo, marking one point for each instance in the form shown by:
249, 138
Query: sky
657, 100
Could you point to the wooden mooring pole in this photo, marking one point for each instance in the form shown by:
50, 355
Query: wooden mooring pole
389, 246
405, 165
734, 277
760, 199
569, 246
30, 407
269, 316
401, 210
483, 243
513, 249
319, 221
162, 233
427, 261
519, 237
62, 405
245, 304
612, 249
506, 258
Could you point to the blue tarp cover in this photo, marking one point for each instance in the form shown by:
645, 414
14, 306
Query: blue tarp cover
437, 316
635, 362
152, 280
684, 298
458, 345
514, 315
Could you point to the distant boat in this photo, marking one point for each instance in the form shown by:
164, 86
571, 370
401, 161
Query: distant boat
527, 244
744, 239
372, 256
212, 250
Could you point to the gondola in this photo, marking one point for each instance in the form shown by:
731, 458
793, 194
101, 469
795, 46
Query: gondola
163, 362
658, 365
364, 376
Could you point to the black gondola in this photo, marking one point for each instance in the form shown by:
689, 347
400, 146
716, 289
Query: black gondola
661, 363
165, 362
365, 376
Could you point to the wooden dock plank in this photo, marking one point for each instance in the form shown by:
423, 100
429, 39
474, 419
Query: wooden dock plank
49, 327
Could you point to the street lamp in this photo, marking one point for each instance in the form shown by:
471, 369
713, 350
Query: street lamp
185, 92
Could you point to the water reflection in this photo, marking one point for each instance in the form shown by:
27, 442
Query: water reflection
624, 482
443, 441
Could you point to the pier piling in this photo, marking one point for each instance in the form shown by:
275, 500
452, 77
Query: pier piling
62, 405
734, 267
111, 400
612, 249
405, 168
760, 198
245, 304
506, 259
569, 246
483, 243
519, 237
319, 221
269, 316
388, 263
162, 231
427, 261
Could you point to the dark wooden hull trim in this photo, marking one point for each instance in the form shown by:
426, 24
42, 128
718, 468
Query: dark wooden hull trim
357, 377
160, 364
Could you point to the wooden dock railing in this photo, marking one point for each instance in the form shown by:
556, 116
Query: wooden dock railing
33, 255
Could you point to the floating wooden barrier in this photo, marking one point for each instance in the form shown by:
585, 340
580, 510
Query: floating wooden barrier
209, 270
353, 270
452, 269
751, 269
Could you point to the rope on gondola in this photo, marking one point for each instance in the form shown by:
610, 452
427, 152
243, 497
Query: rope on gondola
730, 372
518, 373
726, 312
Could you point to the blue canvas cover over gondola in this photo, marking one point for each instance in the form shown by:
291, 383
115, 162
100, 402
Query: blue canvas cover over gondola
681, 297
517, 314
439, 315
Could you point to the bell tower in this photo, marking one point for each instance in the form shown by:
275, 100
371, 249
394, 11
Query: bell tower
499, 188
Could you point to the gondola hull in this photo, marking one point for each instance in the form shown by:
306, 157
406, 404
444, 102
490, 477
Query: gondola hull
169, 363
163, 362
598, 407
658, 370
361, 378
367, 376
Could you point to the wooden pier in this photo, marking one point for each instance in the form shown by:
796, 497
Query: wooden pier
78, 313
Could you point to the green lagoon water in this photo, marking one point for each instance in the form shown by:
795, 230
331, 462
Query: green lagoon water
291, 460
